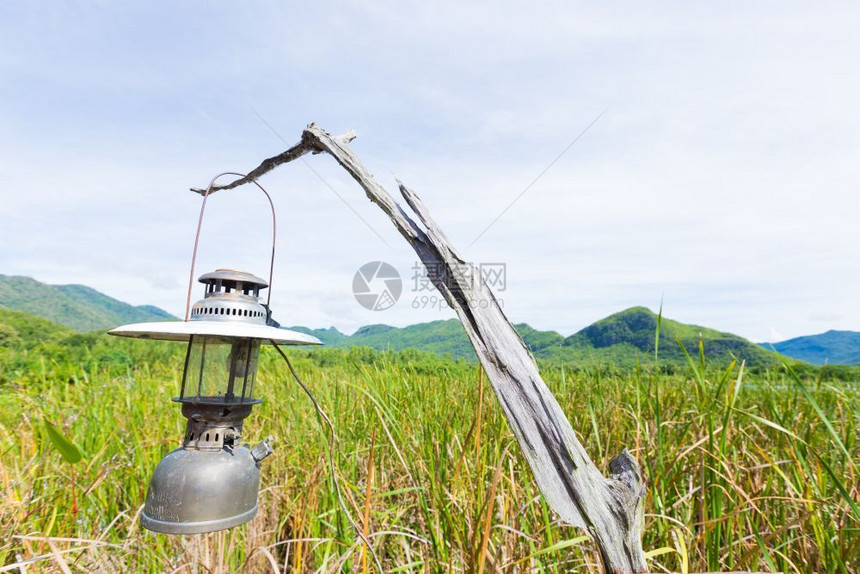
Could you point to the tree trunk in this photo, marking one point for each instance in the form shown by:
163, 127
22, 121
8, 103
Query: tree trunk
610, 509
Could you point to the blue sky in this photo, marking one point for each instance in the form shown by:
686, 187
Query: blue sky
722, 176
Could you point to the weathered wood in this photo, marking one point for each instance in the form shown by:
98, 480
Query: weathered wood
611, 509
305, 145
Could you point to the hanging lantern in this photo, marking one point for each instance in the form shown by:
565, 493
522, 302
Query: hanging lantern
211, 482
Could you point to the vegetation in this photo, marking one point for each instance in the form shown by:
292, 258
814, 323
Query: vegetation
835, 347
622, 339
635, 327
26, 331
745, 470
74, 306
439, 337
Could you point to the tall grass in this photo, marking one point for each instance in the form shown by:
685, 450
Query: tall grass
745, 471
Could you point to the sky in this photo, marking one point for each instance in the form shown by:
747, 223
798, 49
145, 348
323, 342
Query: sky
706, 155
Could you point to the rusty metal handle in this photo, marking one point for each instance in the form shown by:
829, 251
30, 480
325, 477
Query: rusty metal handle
200, 226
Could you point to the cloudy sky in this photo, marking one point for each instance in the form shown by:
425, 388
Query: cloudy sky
721, 174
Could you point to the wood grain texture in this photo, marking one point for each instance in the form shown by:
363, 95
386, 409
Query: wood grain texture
609, 508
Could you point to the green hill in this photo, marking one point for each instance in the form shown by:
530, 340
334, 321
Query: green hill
75, 306
440, 337
22, 330
832, 347
623, 336
619, 339
330, 337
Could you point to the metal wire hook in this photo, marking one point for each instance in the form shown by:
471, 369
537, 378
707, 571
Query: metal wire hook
200, 226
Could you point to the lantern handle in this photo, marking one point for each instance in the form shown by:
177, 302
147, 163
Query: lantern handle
197, 240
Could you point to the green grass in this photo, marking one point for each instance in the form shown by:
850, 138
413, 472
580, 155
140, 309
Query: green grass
745, 470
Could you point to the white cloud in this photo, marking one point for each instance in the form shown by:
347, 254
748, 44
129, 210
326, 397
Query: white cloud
723, 176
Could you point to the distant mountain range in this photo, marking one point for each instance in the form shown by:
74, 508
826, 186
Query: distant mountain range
832, 347
621, 339
75, 306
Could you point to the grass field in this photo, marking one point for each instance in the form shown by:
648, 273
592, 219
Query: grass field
745, 471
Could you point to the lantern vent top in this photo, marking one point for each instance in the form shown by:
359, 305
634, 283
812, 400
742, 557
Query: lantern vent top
231, 296
227, 282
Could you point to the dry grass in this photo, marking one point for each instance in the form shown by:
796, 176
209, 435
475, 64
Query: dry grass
745, 471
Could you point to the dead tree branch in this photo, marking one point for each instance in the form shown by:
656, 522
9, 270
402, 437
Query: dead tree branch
611, 509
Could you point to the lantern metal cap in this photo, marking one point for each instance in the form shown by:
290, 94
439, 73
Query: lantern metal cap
183, 330
232, 275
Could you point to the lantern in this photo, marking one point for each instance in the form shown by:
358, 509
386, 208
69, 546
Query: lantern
211, 482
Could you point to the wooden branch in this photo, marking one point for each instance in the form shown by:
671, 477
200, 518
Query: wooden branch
303, 147
611, 509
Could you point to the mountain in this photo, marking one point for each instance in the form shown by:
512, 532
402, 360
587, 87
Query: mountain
832, 347
75, 306
632, 332
330, 337
440, 337
620, 339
